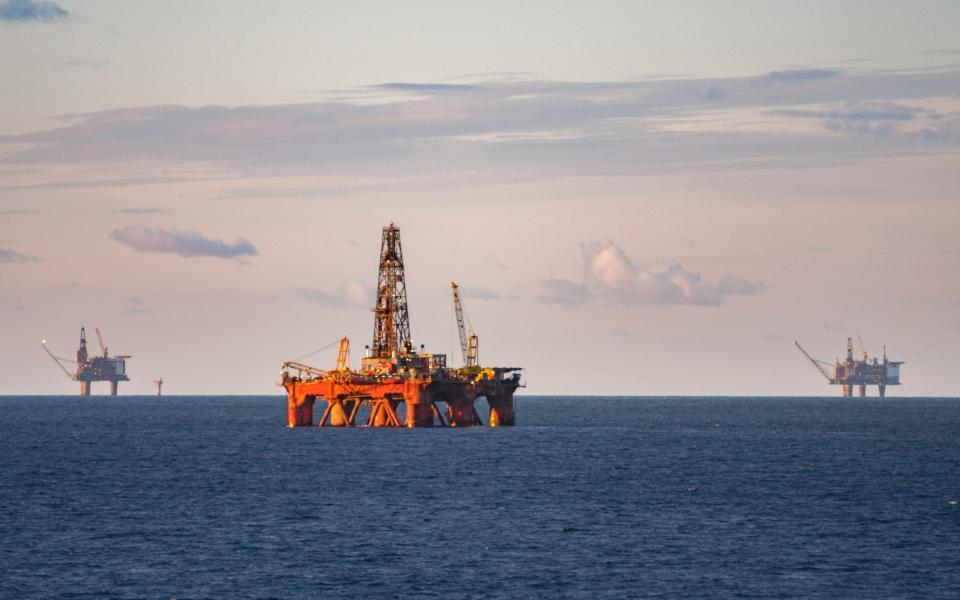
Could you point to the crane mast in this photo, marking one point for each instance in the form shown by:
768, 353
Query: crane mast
469, 343
103, 348
863, 348
343, 356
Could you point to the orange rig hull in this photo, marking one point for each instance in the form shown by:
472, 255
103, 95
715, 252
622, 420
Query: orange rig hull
386, 401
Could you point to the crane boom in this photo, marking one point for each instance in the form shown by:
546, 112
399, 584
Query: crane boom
56, 359
304, 368
816, 363
103, 348
862, 347
469, 343
461, 328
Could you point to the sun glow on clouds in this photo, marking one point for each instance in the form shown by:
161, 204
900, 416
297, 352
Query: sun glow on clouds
611, 277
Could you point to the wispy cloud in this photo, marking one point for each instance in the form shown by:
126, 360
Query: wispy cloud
136, 306
857, 111
880, 118
734, 285
563, 292
522, 130
21, 11
479, 293
19, 211
798, 75
182, 243
350, 294
9, 256
427, 87
138, 211
611, 277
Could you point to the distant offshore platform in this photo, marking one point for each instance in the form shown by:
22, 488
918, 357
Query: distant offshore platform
93, 368
853, 372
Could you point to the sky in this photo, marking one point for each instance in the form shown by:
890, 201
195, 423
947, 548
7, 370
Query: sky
638, 198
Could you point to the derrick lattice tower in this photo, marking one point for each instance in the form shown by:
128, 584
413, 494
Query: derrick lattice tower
391, 320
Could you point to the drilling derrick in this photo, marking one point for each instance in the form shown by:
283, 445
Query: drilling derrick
391, 321
395, 385
852, 372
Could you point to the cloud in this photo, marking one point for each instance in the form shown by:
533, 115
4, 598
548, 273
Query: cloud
138, 211
611, 277
19, 11
427, 87
9, 256
350, 294
774, 337
563, 292
860, 111
183, 243
136, 307
19, 211
714, 92
483, 294
879, 118
508, 130
798, 75
734, 285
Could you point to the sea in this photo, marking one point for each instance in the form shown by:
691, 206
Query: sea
587, 497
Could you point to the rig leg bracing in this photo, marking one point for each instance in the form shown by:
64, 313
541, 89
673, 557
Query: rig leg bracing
396, 402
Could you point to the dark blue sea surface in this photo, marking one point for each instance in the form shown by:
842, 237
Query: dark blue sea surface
192, 497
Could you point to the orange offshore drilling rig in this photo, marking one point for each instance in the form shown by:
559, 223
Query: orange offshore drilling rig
861, 373
395, 385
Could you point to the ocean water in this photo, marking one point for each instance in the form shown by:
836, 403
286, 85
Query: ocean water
196, 497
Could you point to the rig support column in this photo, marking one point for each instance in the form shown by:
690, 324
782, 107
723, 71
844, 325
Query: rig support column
299, 408
460, 409
419, 405
84, 388
863, 390
883, 390
383, 413
113, 388
501, 409
337, 413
